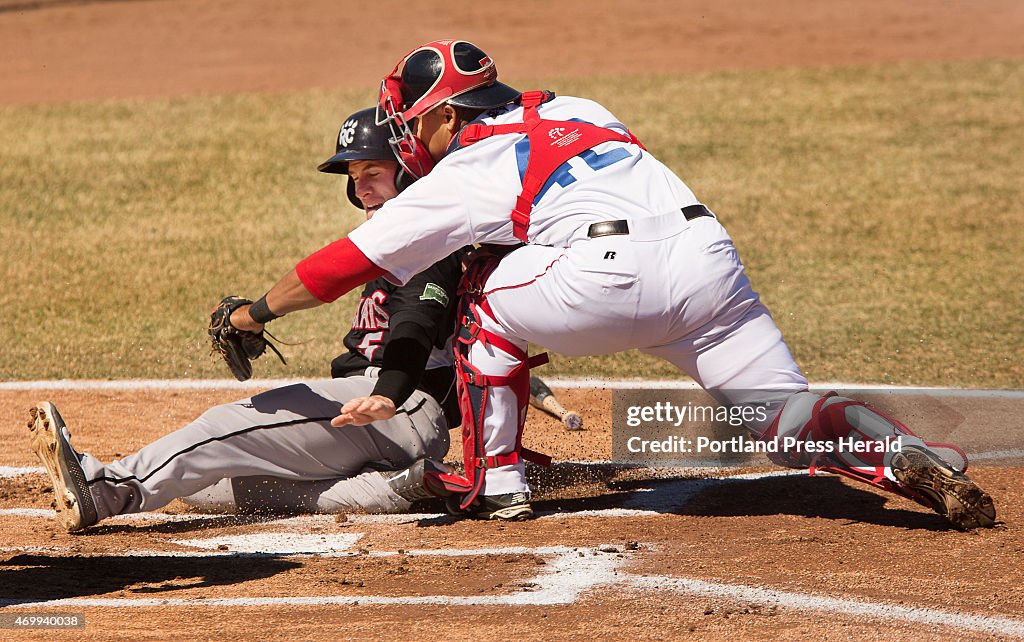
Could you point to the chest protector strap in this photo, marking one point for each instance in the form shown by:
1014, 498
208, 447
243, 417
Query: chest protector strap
552, 144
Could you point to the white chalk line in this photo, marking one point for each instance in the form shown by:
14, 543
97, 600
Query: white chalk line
316, 544
585, 383
560, 581
996, 454
823, 603
572, 572
19, 471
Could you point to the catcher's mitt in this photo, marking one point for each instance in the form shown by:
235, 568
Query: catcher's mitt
237, 347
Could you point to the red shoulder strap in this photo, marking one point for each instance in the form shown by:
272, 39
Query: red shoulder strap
552, 143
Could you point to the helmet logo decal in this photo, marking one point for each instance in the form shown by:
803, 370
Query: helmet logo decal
347, 133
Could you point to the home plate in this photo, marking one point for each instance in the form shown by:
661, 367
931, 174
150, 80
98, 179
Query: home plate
277, 543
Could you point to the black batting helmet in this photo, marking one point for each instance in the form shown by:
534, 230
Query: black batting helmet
360, 138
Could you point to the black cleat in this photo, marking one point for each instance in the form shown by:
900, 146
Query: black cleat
51, 441
510, 507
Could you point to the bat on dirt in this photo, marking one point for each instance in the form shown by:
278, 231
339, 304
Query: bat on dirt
541, 397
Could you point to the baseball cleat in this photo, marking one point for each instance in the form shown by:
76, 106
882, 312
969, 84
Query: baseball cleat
51, 441
947, 491
510, 507
419, 481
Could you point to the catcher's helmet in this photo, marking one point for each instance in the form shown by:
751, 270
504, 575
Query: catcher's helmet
360, 138
444, 71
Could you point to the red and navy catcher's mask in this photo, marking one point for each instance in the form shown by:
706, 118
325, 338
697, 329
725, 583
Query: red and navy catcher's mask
444, 71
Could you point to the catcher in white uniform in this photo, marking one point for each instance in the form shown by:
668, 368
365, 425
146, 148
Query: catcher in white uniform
619, 253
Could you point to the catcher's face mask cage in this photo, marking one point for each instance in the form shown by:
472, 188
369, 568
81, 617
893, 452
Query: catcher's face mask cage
424, 79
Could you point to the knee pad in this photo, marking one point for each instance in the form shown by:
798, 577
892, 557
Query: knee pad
830, 419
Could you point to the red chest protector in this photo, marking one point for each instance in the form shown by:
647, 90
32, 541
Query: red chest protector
552, 143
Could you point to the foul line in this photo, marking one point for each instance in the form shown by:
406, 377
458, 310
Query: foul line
561, 581
18, 471
810, 602
572, 572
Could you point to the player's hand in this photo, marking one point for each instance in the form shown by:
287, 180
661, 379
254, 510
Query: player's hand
365, 410
241, 320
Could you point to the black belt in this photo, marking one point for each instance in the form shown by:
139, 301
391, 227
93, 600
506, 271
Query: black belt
612, 228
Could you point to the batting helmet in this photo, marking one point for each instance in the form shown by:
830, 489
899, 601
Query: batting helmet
455, 72
360, 138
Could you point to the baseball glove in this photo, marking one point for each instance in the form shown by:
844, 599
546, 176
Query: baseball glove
237, 347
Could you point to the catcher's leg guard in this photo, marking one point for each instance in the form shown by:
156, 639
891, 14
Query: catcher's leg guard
484, 424
863, 443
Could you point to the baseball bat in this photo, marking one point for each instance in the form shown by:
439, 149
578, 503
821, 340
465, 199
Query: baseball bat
541, 397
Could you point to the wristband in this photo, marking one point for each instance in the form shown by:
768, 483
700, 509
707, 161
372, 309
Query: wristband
261, 312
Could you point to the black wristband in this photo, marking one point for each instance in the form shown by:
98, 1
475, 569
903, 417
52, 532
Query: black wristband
396, 385
260, 311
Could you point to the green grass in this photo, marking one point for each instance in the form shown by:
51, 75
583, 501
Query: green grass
879, 211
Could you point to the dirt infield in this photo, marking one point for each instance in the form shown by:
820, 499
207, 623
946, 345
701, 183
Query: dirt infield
54, 50
618, 553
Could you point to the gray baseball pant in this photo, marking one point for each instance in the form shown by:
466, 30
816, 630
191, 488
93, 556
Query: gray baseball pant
282, 451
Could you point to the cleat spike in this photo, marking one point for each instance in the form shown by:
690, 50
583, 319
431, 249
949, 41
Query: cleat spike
945, 490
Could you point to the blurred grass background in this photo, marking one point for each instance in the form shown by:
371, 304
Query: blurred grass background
879, 211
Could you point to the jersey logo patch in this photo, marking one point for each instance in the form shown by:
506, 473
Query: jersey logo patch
434, 292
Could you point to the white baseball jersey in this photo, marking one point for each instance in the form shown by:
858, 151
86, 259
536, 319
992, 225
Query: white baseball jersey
672, 287
468, 196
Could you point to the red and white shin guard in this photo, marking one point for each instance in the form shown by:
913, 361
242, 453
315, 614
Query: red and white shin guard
478, 391
808, 419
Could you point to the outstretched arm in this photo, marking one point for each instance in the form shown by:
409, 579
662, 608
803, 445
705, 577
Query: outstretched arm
405, 358
287, 296
319, 278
